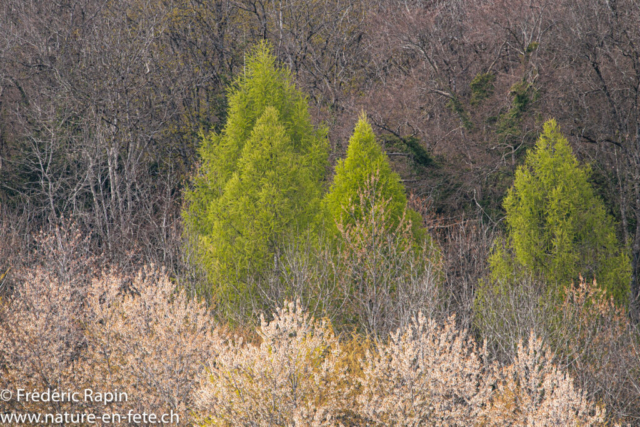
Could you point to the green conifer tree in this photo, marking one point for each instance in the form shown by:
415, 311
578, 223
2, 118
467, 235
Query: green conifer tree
260, 181
557, 227
381, 244
366, 160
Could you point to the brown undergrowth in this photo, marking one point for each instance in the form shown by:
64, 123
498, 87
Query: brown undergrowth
76, 327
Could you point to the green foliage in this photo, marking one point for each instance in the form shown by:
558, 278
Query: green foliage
481, 87
260, 181
558, 228
382, 273
508, 126
420, 155
456, 106
411, 145
523, 94
365, 159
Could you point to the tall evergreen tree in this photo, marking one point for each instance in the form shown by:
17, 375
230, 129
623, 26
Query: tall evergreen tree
260, 180
557, 227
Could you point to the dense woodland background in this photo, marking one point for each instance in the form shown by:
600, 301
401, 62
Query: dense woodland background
103, 106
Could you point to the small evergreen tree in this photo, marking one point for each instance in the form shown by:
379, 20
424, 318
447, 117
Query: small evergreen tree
260, 181
557, 227
388, 266
365, 160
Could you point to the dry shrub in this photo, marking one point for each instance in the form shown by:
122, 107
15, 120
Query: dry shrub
466, 245
599, 346
291, 377
505, 313
384, 275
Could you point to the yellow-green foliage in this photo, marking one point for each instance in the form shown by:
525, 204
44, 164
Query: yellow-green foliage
382, 276
557, 227
365, 159
260, 181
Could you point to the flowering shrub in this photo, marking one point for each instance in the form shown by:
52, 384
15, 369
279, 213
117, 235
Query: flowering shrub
66, 326
70, 328
147, 340
425, 375
291, 377
42, 344
591, 338
534, 391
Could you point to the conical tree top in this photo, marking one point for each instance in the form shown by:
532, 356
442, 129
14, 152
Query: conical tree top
366, 164
558, 227
263, 84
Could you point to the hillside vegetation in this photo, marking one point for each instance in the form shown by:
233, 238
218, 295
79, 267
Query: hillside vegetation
359, 213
